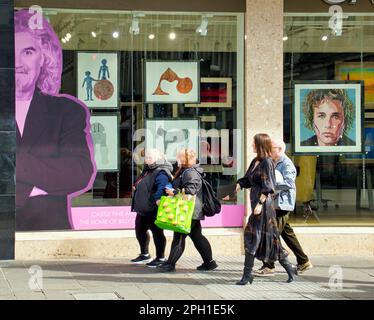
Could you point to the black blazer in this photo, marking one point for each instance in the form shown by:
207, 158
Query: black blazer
54, 156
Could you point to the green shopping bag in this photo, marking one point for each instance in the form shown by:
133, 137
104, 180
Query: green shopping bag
175, 213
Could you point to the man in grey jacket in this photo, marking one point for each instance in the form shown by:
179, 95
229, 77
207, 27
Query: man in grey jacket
285, 198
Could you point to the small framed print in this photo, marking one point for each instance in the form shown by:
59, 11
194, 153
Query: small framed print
105, 137
172, 81
214, 93
98, 79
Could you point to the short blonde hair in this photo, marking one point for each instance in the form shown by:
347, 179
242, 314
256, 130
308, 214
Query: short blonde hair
187, 157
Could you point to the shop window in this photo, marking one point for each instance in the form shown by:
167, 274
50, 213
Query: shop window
104, 59
333, 189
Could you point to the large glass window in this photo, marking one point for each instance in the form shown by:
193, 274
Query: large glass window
214, 40
332, 189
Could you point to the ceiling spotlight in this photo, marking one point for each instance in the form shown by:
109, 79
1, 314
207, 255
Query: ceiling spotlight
151, 36
68, 35
93, 33
202, 28
115, 34
324, 38
172, 35
63, 40
285, 38
134, 28
66, 39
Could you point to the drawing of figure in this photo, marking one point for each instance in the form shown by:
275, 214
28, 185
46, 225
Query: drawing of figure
88, 81
99, 139
104, 70
103, 89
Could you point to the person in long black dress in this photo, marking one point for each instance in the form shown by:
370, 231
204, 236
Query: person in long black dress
261, 236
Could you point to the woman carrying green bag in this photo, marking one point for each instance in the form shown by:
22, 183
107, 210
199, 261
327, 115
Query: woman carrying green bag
148, 189
187, 178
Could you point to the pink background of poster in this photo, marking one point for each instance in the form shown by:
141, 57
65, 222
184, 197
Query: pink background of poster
104, 218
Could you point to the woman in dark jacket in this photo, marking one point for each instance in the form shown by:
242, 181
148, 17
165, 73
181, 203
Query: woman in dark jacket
261, 236
188, 178
148, 189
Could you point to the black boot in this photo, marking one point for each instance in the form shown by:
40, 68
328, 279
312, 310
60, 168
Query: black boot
247, 277
247, 273
291, 270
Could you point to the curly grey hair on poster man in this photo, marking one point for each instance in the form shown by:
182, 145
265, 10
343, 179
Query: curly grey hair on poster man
49, 81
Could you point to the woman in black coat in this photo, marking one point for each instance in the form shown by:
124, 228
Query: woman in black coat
148, 190
261, 236
188, 177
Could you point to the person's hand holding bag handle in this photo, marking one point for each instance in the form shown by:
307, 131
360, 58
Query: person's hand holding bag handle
169, 190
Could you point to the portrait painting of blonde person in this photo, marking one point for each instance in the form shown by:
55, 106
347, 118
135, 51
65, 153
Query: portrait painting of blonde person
330, 114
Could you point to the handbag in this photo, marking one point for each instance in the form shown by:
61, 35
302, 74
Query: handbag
175, 213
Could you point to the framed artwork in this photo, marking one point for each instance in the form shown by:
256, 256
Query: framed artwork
327, 117
169, 136
98, 79
369, 147
104, 131
172, 81
215, 93
355, 71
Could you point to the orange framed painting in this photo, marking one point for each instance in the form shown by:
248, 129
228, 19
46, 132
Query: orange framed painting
358, 71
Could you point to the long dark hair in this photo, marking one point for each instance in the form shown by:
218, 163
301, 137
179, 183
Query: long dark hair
262, 145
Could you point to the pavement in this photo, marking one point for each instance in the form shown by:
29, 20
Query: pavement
332, 278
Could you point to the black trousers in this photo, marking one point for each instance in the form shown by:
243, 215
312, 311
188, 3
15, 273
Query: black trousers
200, 242
142, 225
289, 237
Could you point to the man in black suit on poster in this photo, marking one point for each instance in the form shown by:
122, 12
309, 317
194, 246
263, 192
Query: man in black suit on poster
54, 146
